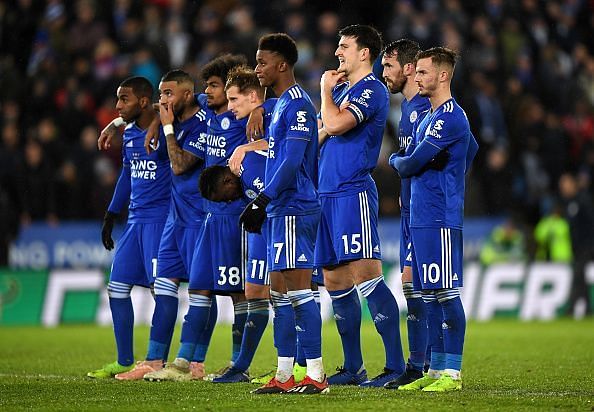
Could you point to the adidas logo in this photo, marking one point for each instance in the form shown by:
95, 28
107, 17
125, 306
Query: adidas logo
412, 318
298, 328
130, 144
379, 318
444, 325
409, 257
255, 207
455, 277
376, 249
237, 332
250, 324
338, 317
302, 258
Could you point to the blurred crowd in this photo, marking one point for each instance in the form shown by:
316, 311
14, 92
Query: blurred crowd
525, 78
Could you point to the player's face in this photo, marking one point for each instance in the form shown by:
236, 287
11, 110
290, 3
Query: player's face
267, 67
215, 93
393, 74
174, 94
426, 77
127, 105
229, 189
349, 55
240, 104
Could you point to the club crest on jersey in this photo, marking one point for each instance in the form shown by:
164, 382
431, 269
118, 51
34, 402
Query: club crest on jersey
225, 123
301, 116
250, 194
413, 116
438, 125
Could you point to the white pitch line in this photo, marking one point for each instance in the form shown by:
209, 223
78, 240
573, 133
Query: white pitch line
15, 375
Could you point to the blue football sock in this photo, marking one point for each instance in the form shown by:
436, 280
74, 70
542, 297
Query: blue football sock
206, 334
122, 314
434, 331
416, 324
454, 329
308, 322
256, 322
283, 325
384, 312
347, 314
240, 312
194, 324
299, 354
164, 317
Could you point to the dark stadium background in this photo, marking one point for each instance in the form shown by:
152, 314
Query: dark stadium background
525, 78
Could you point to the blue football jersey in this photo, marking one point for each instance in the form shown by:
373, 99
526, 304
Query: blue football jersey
187, 208
224, 133
410, 112
346, 161
437, 197
294, 117
253, 171
150, 175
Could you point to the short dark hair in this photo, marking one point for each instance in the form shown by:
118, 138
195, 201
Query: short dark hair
405, 50
141, 86
365, 37
178, 76
210, 179
282, 44
439, 56
245, 79
222, 65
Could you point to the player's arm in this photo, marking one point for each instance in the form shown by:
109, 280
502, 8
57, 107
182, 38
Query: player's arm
121, 195
322, 133
471, 152
337, 120
239, 153
181, 160
408, 166
254, 128
109, 132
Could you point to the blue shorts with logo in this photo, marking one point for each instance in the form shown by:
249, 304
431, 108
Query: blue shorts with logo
348, 228
135, 258
317, 276
176, 250
257, 272
218, 260
291, 241
405, 243
437, 255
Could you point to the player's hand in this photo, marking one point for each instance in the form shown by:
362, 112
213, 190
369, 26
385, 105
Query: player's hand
254, 214
106, 230
107, 134
166, 113
236, 159
440, 161
394, 156
151, 140
254, 130
331, 78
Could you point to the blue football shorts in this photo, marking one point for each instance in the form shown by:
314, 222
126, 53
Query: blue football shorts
257, 272
176, 250
348, 228
218, 261
291, 241
135, 258
405, 243
437, 255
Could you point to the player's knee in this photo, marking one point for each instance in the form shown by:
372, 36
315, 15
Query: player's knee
118, 290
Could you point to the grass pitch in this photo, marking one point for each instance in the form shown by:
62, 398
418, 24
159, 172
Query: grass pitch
508, 365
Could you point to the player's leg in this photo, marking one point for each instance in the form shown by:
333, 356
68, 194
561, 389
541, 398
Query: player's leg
127, 270
454, 320
283, 328
300, 365
345, 299
197, 365
257, 293
196, 319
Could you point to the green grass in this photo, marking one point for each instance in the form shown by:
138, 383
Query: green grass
508, 365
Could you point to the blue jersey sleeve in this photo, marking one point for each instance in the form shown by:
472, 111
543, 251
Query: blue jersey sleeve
362, 101
408, 166
300, 121
472, 151
446, 129
123, 188
195, 143
201, 99
268, 106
